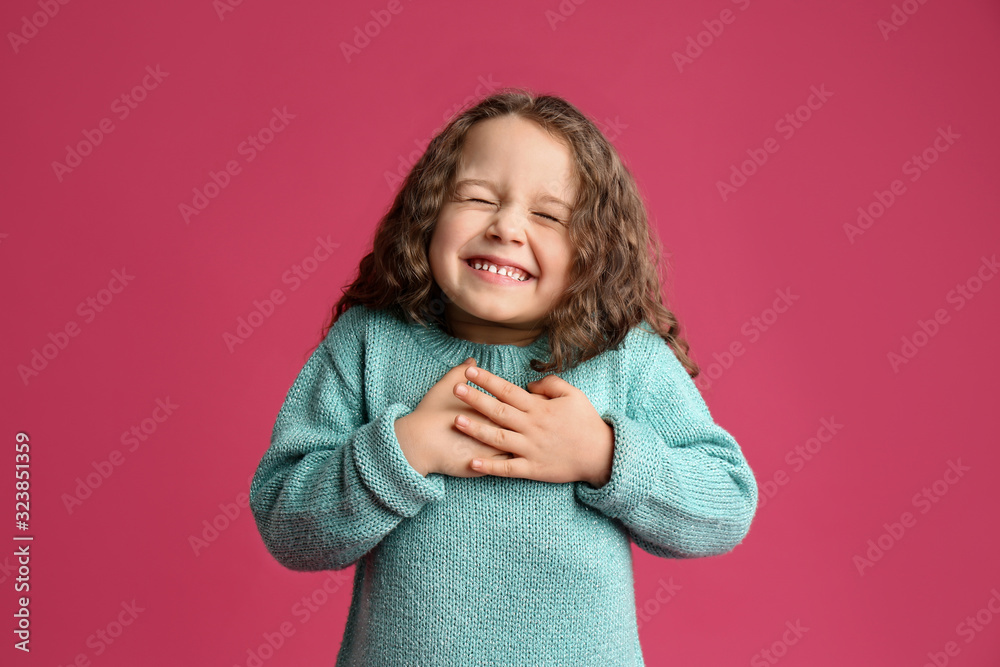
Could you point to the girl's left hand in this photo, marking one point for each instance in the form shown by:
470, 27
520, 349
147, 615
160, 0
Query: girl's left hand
554, 432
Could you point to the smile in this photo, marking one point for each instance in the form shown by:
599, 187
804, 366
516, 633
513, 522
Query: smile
495, 276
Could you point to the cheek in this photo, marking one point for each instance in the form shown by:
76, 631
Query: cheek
445, 239
437, 266
443, 258
557, 262
437, 247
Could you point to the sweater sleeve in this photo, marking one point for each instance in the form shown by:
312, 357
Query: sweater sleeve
330, 486
679, 482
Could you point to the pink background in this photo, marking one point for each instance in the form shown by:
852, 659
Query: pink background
680, 129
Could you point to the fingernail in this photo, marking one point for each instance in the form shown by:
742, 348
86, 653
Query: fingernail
476, 463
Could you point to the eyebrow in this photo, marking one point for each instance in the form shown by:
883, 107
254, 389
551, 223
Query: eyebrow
491, 185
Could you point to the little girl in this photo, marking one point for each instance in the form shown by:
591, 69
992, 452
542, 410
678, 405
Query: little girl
500, 406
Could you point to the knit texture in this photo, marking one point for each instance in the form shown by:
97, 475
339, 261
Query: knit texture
460, 571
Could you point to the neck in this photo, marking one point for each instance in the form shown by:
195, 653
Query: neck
492, 333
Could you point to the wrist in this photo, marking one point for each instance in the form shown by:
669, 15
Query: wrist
413, 453
604, 450
598, 483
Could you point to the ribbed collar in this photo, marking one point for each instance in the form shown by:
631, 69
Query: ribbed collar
452, 351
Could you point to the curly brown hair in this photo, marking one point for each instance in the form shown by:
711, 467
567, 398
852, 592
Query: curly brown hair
614, 282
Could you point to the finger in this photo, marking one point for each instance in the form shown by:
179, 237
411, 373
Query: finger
504, 391
497, 411
459, 370
552, 386
514, 467
488, 434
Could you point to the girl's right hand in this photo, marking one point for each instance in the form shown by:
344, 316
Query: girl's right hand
428, 436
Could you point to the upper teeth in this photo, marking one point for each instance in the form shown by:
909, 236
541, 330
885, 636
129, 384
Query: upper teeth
508, 271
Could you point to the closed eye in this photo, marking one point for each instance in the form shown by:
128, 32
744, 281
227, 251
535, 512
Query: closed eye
544, 215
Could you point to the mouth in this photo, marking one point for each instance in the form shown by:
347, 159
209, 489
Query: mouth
498, 275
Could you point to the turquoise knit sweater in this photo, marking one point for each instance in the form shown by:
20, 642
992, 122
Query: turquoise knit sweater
460, 571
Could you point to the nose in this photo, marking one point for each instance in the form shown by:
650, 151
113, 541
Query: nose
508, 224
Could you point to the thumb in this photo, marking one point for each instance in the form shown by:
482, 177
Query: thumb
550, 385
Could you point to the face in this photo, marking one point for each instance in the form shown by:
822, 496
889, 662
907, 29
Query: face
515, 186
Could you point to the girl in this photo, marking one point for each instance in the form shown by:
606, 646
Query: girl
499, 406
